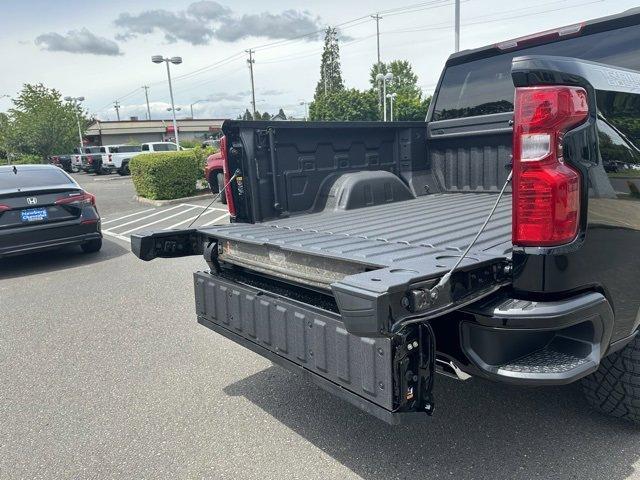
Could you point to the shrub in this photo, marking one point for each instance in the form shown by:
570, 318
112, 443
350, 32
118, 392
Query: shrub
166, 175
200, 157
26, 159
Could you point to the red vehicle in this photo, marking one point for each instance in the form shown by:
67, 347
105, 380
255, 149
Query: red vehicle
214, 173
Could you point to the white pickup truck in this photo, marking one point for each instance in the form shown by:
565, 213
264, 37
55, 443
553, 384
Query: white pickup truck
116, 158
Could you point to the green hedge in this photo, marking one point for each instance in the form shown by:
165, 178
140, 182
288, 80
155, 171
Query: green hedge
166, 175
26, 159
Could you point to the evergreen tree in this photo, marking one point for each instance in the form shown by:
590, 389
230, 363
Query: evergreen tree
330, 71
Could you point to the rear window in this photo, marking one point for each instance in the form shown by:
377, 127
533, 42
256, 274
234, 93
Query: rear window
30, 178
128, 148
164, 147
145, 148
93, 150
484, 86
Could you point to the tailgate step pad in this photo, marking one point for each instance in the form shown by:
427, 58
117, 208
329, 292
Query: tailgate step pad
312, 339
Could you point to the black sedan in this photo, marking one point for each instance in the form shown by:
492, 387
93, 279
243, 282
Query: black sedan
41, 207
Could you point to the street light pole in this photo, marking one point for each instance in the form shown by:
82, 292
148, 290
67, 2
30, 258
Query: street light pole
391, 97
384, 79
457, 22
76, 103
306, 110
175, 61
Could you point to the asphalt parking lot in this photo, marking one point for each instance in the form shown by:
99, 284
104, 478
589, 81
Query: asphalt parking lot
106, 374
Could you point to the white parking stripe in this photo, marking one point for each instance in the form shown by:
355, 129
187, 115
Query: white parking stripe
210, 208
141, 227
127, 216
115, 235
189, 219
147, 216
214, 221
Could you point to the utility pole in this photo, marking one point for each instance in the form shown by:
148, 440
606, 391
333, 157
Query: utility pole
377, 18
457, 25
251, 61
116, 105
146, 95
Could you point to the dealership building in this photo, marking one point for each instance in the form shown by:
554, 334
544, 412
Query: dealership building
142, 131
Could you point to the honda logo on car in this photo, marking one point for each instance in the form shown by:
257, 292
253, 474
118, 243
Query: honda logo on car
32, 200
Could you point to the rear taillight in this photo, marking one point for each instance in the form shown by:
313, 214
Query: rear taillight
77, 199
109, 157
227, 176
546, 191
4, 208
90, 160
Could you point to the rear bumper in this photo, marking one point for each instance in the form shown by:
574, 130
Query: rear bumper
537, 343
19, 242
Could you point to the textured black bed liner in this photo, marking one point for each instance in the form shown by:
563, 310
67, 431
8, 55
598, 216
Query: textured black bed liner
387, 235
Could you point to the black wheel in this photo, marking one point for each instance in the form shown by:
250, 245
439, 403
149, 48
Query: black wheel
614, 388
92, 246
220, 181
124, 169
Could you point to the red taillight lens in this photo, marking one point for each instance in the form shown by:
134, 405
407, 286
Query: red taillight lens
109, 157
78, 199
227, 176
4, 208
546, 191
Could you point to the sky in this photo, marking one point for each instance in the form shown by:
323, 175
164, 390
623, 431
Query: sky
102, 49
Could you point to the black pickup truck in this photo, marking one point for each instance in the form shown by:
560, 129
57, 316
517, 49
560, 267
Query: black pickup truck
491, 240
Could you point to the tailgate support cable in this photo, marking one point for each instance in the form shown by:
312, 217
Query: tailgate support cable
434, 292
445, 279
215, 197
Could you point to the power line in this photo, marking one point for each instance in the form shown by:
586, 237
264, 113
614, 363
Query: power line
347, 24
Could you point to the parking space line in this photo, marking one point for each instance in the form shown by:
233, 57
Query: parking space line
115, 235
148, 216
215, 220
127, 216
209, 208
161, 220
189, 219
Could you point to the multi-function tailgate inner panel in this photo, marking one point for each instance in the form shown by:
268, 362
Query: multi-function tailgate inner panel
314, 340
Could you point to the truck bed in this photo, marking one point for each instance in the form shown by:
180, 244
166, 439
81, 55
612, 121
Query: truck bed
390, 235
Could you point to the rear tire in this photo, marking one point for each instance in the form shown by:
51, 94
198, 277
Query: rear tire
220, 180
124, 169
614, 389
92, 246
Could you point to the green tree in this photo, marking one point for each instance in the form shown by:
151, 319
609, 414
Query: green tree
345, 105
4, 127
409, 103
246, 115
41, 123
330, 70
410, 108
404, 81
266, 116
